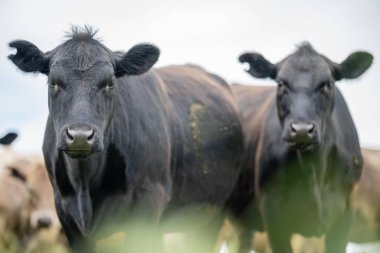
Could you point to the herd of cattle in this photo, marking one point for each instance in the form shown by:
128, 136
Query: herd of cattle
143, 151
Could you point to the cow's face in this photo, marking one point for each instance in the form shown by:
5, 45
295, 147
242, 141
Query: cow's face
82, 79
305, 90
305, 97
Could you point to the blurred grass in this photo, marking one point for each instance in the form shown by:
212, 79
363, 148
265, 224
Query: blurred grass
35, 243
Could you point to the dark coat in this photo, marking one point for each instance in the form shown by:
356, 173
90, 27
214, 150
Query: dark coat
302, 154
125, 143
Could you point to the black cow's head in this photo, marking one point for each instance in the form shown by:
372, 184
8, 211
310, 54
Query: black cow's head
305, 92
82, 78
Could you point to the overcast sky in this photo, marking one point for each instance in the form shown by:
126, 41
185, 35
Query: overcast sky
209, 33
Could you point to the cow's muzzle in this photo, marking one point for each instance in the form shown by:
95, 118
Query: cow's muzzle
80, 140
301, 135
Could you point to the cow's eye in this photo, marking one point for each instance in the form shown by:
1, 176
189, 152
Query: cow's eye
282, 83
108, 85
54, 86
282, 87
326, 86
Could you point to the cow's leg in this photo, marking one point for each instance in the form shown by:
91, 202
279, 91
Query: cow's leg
203, 239
143, 236
78, 243
278, 234
142, 228
245, 238
246, 227
279, 239
337, 237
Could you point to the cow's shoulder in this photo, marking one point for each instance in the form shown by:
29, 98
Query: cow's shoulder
193, 76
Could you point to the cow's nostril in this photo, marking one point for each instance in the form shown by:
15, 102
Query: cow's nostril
311, 128
91, 136
293, 128
80, 141
44, 222
69, 135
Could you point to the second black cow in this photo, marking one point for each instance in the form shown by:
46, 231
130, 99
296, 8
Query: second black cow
302, 149
125, 143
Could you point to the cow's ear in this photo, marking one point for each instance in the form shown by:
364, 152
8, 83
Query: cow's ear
353, 66
259, 67
29, 58
137, 60
8, 138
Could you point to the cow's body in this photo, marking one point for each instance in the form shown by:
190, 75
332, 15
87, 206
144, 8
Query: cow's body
124, 144
302, 154
174, 139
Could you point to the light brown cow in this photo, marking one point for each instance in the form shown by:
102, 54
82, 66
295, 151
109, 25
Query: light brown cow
44, 224
366, 199
28, 220
14, 207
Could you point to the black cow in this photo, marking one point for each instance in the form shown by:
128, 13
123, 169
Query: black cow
302, 151
123, 142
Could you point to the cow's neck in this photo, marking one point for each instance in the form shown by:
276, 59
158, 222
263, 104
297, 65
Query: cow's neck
316, 165
83, 175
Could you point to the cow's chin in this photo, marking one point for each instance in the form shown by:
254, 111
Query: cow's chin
79, 154
303, 147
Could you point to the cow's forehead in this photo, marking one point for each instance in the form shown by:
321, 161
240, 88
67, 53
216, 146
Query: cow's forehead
96, 74
314, 66
306, 68
10, 158
7, 155
81, 55
66, 71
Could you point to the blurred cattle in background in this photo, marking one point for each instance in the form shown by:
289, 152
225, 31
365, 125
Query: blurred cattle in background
14, 198
28, 220
366, 200
302, 154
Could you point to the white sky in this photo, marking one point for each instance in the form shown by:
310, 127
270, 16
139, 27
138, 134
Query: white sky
209, 33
